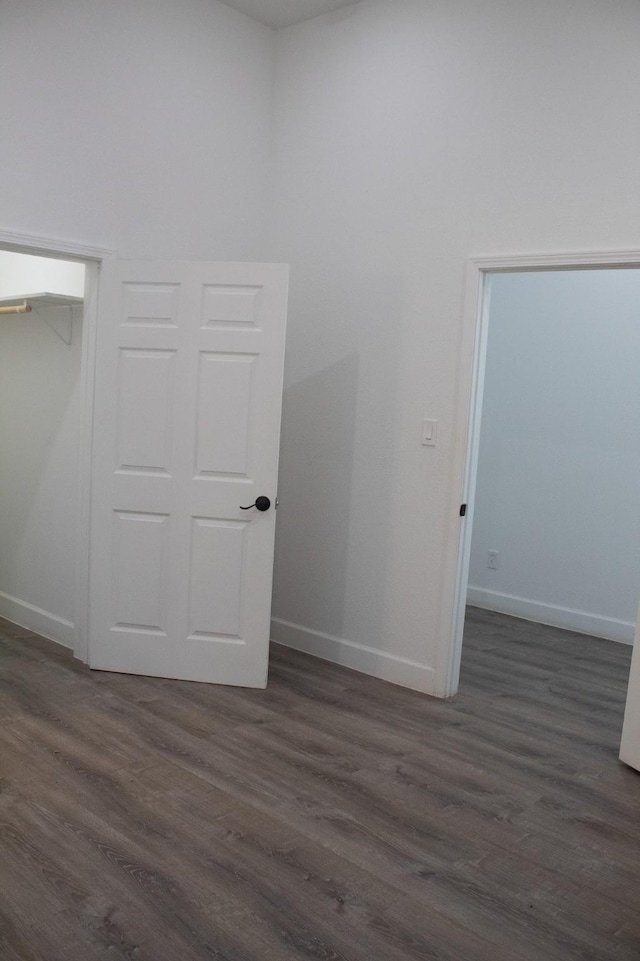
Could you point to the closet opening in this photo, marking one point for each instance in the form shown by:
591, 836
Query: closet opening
43, 416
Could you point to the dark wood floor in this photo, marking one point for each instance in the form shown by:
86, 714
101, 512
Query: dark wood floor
331, 817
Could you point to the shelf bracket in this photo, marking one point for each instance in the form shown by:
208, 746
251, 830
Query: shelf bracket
60, 320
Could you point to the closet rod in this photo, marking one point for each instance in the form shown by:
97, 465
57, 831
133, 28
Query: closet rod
17, 309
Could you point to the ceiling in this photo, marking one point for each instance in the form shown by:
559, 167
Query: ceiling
282, 13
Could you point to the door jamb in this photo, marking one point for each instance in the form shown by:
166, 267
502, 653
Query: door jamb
471, 369
92, 257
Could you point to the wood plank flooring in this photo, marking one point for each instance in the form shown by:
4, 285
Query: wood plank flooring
331, 817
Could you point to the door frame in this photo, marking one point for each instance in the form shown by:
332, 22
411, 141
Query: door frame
466, 429
92, 257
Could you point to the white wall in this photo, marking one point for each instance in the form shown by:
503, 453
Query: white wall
39, 448
557, 491
411, 135
142, 127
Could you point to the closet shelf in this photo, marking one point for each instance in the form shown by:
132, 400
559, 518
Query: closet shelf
43, 299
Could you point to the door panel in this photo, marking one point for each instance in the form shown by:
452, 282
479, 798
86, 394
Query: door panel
145, 384
225, 410
630, 746
218, 578
187, 421
140, 558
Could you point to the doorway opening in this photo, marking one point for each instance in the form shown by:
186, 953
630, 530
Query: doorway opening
551, 432
47, 329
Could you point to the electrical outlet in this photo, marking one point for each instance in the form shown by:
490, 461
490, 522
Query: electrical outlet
493, 560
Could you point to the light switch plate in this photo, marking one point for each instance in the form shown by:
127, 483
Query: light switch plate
429, 433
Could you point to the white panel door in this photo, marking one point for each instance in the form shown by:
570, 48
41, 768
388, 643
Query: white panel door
630, 746
186, 433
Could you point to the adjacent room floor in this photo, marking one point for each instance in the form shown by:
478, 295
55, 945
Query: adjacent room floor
331, 817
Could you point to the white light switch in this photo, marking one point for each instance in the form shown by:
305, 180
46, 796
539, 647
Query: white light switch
429, 433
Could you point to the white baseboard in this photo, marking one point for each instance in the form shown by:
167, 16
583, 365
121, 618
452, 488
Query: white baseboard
564, 617
358, 657
35, 619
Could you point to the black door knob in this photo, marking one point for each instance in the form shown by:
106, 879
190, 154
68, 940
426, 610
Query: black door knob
261, 504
